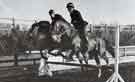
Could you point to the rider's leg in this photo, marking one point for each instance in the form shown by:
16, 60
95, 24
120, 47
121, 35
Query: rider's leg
83, 38
84, 43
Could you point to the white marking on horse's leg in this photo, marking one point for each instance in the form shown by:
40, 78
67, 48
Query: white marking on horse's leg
44, 68
99, 72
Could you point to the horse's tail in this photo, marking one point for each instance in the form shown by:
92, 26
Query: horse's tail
111, 51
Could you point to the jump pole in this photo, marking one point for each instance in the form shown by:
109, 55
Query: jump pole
115, 77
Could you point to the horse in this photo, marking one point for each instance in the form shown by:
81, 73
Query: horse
65, 38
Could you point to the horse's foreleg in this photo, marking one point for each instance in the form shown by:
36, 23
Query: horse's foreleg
42, 55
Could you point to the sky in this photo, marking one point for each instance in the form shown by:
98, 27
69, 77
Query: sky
94, 11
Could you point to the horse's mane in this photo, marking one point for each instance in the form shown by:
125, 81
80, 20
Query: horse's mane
43, 25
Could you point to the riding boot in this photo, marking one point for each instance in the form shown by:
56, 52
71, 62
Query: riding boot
84, 42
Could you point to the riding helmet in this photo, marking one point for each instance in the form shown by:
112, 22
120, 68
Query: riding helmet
51, 11
70, 5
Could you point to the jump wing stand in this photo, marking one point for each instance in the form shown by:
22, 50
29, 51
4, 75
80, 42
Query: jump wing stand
116, 76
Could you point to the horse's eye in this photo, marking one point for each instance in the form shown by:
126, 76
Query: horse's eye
89, 31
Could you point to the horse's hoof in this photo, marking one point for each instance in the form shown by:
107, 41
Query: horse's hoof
99, 75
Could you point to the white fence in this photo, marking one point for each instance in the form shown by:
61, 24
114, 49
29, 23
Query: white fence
127, 50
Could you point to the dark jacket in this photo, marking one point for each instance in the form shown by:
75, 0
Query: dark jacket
77, 20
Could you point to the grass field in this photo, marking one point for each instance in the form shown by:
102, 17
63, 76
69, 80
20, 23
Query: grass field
18, 74
67, 73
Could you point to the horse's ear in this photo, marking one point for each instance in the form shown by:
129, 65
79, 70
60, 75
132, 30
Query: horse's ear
35, 24
45, 22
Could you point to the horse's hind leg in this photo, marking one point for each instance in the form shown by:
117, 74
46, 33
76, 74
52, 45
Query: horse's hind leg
105, 57
97, 59
86, 58
80, 60
98, 64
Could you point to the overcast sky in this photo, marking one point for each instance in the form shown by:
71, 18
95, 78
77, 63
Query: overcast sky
94, 11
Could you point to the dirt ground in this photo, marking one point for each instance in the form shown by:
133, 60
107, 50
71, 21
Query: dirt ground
18, 74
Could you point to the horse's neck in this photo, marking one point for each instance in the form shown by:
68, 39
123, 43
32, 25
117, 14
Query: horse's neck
35, 31
62, 25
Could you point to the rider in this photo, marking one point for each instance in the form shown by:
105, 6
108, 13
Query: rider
78, 22
55, 17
